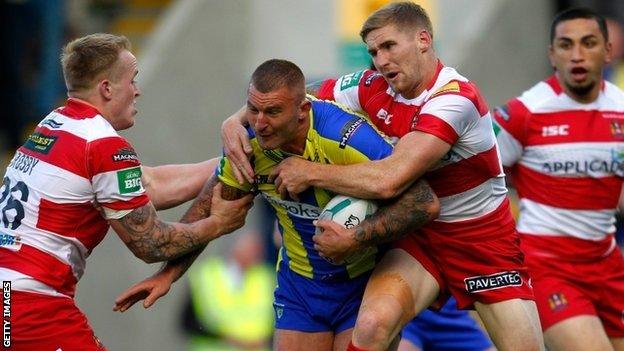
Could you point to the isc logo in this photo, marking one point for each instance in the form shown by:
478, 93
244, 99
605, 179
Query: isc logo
555, 130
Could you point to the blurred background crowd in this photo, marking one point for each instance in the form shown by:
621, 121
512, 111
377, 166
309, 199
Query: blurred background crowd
195, 57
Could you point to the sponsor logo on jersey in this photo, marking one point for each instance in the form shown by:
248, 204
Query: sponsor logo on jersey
370, 79
125, 154
615, 166
452, 87
613, 115
548, 131
274, 155
385, 116
262, 179
493, 281
502, 112
51, 123
348, 130
350, 80
23, 163
557, 301
40, 143
617, 129
295, 209
279, 309
11, 242
129, 180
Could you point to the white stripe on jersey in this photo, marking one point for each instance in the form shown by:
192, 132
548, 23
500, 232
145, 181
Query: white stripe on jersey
456, 110
578, 160
66, 249
348, 97
543, 99
107, 184
88, 129
542, 219
73, 189
512, 147
23, 282
475, 202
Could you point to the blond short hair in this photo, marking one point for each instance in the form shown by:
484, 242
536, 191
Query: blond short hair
405, 15
85, 59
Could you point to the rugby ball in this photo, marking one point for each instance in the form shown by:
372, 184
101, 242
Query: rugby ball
349, 212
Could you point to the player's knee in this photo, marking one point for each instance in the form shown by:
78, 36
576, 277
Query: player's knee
375, 329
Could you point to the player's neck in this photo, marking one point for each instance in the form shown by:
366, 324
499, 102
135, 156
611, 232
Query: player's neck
298, 143
430, 64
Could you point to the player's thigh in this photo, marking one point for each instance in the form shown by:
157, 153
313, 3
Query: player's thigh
406, 345
618, 343
512, 324
292, 340
577, 334
401, 278
342, 339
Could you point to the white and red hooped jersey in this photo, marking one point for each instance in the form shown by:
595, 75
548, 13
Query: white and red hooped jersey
469, 180
567, 163
48, 224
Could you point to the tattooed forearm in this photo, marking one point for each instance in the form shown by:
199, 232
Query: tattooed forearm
198, 210
411, 210
154, 240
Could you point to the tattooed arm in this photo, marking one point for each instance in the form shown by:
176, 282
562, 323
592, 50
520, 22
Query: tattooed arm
199, 209
396, 217
153, 240
206, 205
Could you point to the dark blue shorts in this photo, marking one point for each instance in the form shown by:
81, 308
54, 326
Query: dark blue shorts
308, 305
449, 329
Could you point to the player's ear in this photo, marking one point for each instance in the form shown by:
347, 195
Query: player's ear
425, 39
304, 109
608, 52
551, 56
105, 88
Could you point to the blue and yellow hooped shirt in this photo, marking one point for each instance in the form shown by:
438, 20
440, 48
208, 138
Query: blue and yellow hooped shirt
336, 136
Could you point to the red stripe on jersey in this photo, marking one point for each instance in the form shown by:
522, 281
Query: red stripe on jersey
571, 126
566, 247
512, 117
77, 109
489, 226
431, 124
80, 221
135, 202
465, 174
110, 154
566, 192
41, 266
554, 84
326, 90
470, 91
67, 151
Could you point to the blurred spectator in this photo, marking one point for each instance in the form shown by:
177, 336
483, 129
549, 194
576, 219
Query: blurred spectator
31, 82
614, 72
231, 299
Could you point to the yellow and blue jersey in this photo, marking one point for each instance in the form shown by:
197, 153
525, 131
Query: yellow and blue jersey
336, 136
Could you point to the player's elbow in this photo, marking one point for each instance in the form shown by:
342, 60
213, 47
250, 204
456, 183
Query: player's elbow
387, 188
432, 208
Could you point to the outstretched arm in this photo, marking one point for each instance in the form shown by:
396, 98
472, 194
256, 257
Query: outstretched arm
171, 185
154, 287
396, 217
153, 240
415, 153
